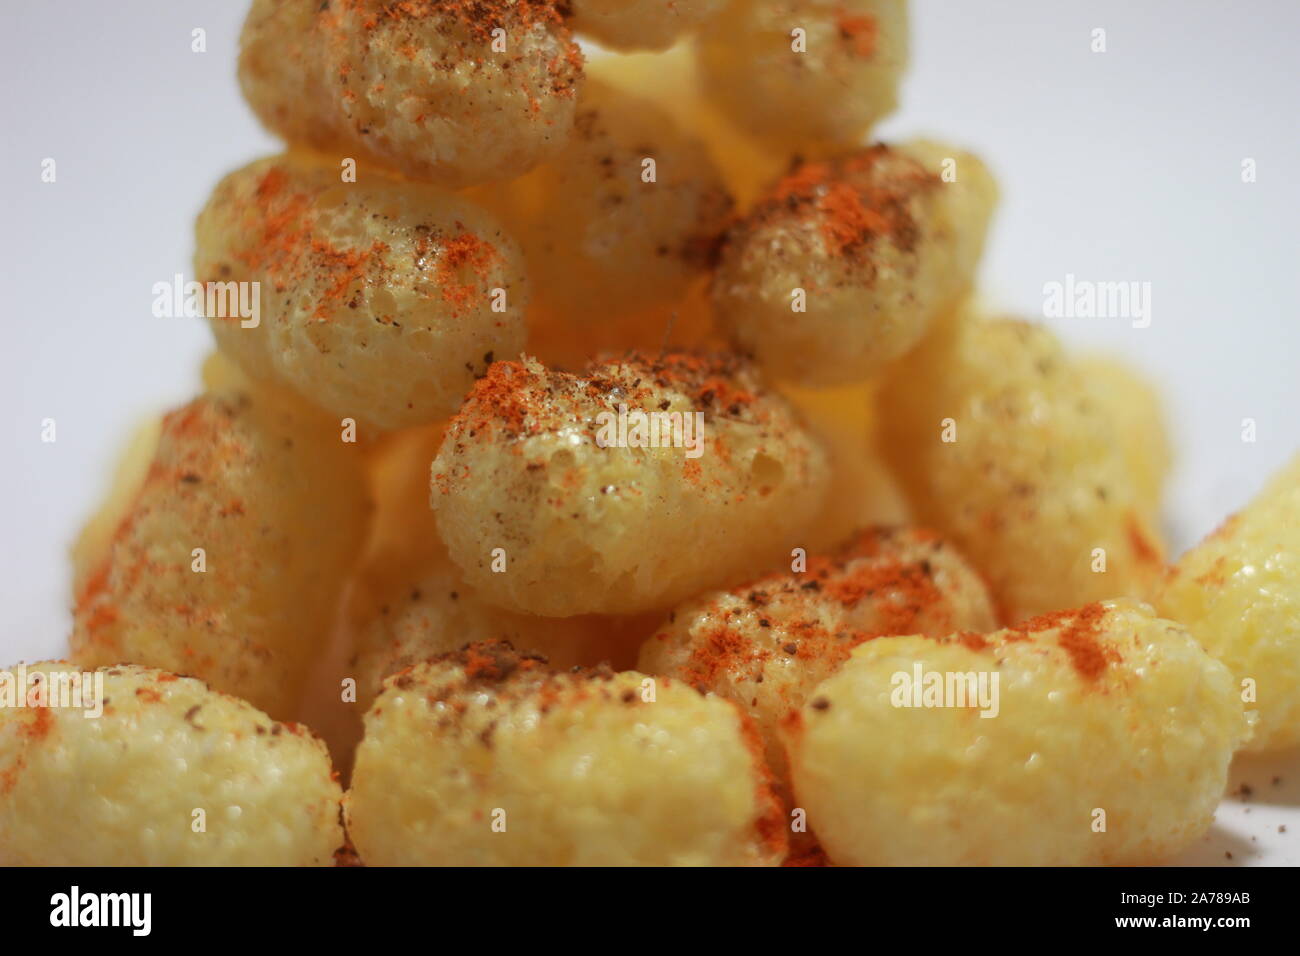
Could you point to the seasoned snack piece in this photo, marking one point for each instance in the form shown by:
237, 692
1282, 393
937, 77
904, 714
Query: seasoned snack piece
1110, 745
588, 768
620, 225
560, 494
409, 602
802, 72
1002, 447
766, 645
862, 491
231, 558
379, 300
403, 613
130, 766
440, 90
1132, 402
1238, 592
670, 80
640, 24
844, 263
128, 475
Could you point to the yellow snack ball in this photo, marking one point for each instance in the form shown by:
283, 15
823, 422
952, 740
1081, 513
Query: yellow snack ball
862, 491
115, 766
403, 613
1110, 744
486, 758
440, 90
1132, 401
1001, 446
379, 300
670, 80
282, 72
128, 475
231, 559
801, 72
639, 24
844, 263
1238, 592
557, 493
767, 644
409, 602
625, 219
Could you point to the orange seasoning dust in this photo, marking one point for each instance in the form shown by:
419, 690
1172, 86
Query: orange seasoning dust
859, 31
1079, 635
464, 255
853, 199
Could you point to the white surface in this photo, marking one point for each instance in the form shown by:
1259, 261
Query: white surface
1123, 165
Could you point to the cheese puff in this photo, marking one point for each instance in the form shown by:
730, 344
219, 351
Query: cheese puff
844, 263
1238, 592
623, 225
862, 491
1001, 445
231, 559
486, 758
440, 90
640, 24
767, 644
120, 766
557, 494
1133, 403
804, 72
379, 301
1107, 741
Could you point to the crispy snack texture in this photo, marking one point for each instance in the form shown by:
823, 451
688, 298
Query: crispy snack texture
1110, 745
549, 505
126, 787
487, 758
231, 559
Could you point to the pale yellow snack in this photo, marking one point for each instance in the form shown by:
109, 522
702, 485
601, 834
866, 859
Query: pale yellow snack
618, 228
1238, 592
670, 80
803, 72
124, 786
640, 24
862, 491
1001, 446
231, 559
440, 90
128, 475
767, 644
486, 758
409, 602
844, 263
379, 300
541, 518
1110, 745
1132, 401
401, 614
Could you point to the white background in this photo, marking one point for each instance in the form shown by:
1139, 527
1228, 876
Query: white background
1124, 165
